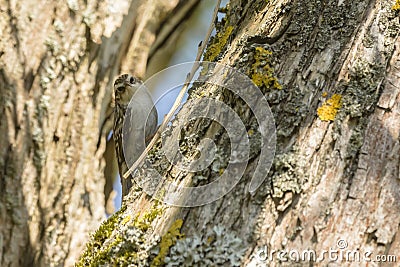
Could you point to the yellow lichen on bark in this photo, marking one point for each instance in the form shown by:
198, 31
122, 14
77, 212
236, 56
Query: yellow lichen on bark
261, 73
396, 6
218, 44
329, 109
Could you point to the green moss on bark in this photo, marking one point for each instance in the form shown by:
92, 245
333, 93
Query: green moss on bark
92, 254
167, 241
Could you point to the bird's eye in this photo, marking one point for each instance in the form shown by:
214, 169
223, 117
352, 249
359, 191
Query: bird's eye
120, 88
131, 80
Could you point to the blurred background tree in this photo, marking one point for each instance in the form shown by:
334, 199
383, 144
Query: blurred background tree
58, 61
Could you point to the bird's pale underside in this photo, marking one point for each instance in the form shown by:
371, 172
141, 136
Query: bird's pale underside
136, 130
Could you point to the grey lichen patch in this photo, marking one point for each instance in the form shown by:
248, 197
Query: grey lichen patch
314, 25
307, 12
389, 21
59, 26
66, 53
356, 139
89, 18
338, 22
43, 106
52, 46
292, 113
40, 115
200, 179
158, 160
39, 155
220, 161
73, 5
288, 173
362, 90
190, 136
361, 93
44, 81
218, 248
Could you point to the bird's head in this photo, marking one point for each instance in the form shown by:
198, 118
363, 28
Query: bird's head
124, 88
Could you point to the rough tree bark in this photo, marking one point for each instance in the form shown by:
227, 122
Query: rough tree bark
57, 63
330, 71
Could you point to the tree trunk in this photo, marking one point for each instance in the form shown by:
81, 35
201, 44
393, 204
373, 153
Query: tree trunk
330, 72
57, 63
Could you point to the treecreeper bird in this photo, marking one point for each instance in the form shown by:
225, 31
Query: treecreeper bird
134, 107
